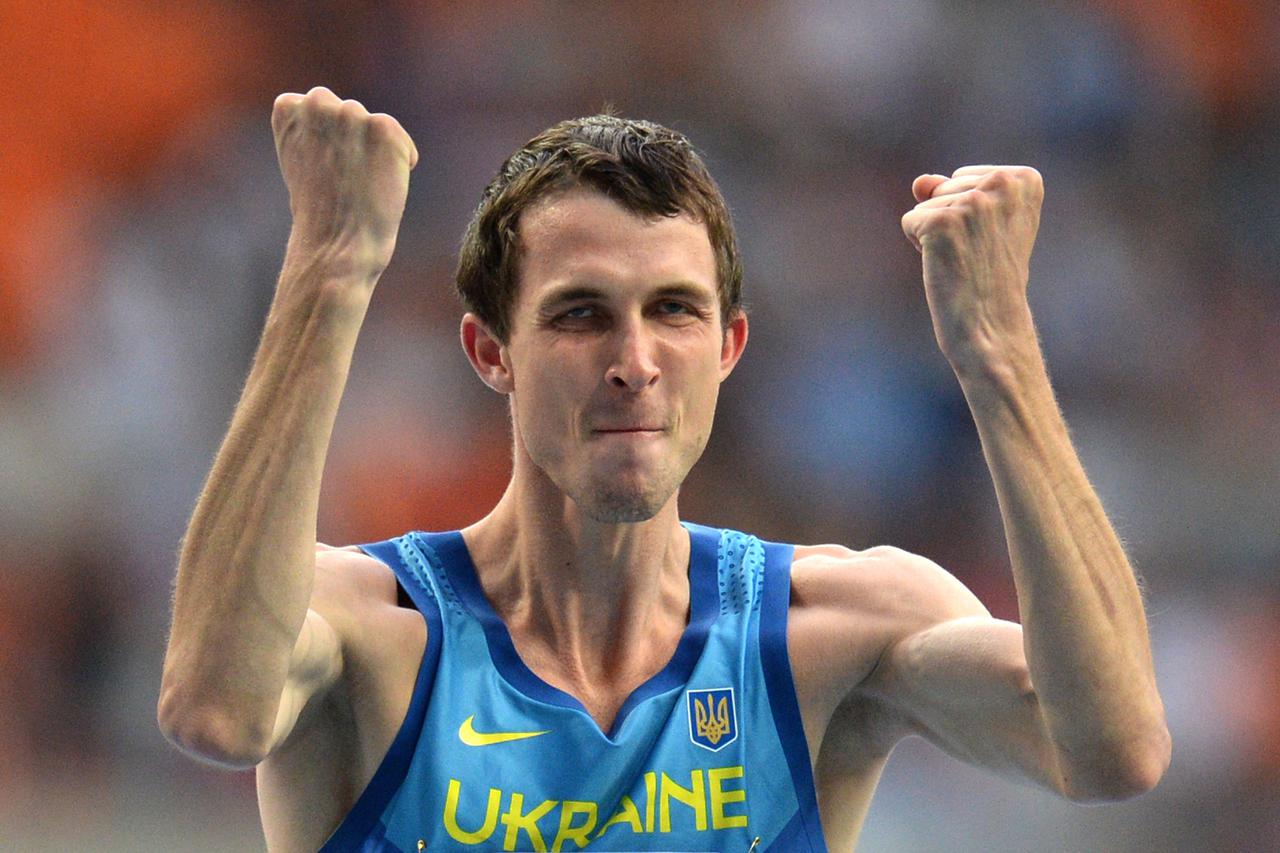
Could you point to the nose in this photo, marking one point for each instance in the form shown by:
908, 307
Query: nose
633, 364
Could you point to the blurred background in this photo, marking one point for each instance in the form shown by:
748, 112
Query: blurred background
143, 220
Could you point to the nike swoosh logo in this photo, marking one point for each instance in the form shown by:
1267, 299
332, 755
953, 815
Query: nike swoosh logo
471, 737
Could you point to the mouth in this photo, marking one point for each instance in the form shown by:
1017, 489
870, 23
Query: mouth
639, 432
628, 431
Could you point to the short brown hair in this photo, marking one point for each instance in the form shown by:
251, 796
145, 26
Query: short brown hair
647, 168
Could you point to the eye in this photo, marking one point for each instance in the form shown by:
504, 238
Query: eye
671, 306
679, 311
578, 318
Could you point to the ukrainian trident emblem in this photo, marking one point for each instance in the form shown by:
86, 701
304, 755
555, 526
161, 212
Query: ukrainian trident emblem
713, 720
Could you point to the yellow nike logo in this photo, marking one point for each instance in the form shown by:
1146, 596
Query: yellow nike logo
471, 737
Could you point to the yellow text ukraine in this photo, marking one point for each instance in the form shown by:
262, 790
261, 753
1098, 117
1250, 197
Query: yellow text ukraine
713, 800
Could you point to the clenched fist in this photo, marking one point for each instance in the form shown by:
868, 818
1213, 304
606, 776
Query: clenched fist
975, 231
347, 172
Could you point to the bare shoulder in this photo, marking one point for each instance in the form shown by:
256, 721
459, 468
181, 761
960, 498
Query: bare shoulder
348, 581
357, 596
848, 607
349, 564
880, 582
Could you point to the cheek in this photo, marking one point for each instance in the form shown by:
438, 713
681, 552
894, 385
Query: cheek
706, 409
544, 406
708, 378
700, 404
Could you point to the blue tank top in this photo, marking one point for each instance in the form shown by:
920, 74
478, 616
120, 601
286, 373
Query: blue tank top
708, 754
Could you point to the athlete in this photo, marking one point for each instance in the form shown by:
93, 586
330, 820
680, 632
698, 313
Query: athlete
582, 667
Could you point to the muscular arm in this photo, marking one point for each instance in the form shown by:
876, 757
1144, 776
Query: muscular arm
245, 652
1087, 715
926, 658
1084, 630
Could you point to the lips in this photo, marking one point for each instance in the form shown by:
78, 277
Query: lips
628, 429
627, 422
634, 429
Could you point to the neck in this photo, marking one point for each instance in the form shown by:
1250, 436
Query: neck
587, 592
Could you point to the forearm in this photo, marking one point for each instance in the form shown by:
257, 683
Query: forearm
1085, 633
246, 566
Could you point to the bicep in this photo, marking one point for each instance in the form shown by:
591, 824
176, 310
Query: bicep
963, 684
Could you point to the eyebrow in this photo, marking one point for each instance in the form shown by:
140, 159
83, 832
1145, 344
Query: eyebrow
573, 292
568, 294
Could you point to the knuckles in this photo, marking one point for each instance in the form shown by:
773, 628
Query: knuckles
997, 179
998, 187
1026, 174
353, 110
999, 192
321, 93
1024, 181
319, 104
321, 111
286, 101
983, 200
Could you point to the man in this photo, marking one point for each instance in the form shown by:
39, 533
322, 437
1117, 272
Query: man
580, 666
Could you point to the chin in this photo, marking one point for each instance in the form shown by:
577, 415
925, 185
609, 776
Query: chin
621, 508
620, 502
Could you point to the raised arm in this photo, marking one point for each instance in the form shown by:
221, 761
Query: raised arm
1088, 713
245, 652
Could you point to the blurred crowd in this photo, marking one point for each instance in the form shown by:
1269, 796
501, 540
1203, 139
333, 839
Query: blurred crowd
143, 220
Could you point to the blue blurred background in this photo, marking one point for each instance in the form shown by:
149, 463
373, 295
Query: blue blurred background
142, 222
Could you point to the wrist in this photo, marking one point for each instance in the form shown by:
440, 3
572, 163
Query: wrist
998, 374
355, 260
996, 351
321, 286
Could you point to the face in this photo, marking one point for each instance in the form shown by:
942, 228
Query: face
615, 356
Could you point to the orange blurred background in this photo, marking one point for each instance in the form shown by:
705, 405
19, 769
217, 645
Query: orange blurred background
142, 222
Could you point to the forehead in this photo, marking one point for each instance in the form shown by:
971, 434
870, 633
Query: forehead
583, 236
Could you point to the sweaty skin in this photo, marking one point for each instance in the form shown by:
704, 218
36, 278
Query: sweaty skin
295, 658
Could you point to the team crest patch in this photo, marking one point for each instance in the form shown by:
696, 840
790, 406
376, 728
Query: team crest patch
713, 719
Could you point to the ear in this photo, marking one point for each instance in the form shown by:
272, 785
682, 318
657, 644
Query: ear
735, 341
487, 355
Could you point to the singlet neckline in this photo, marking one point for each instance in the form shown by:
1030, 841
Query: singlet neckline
704, 608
